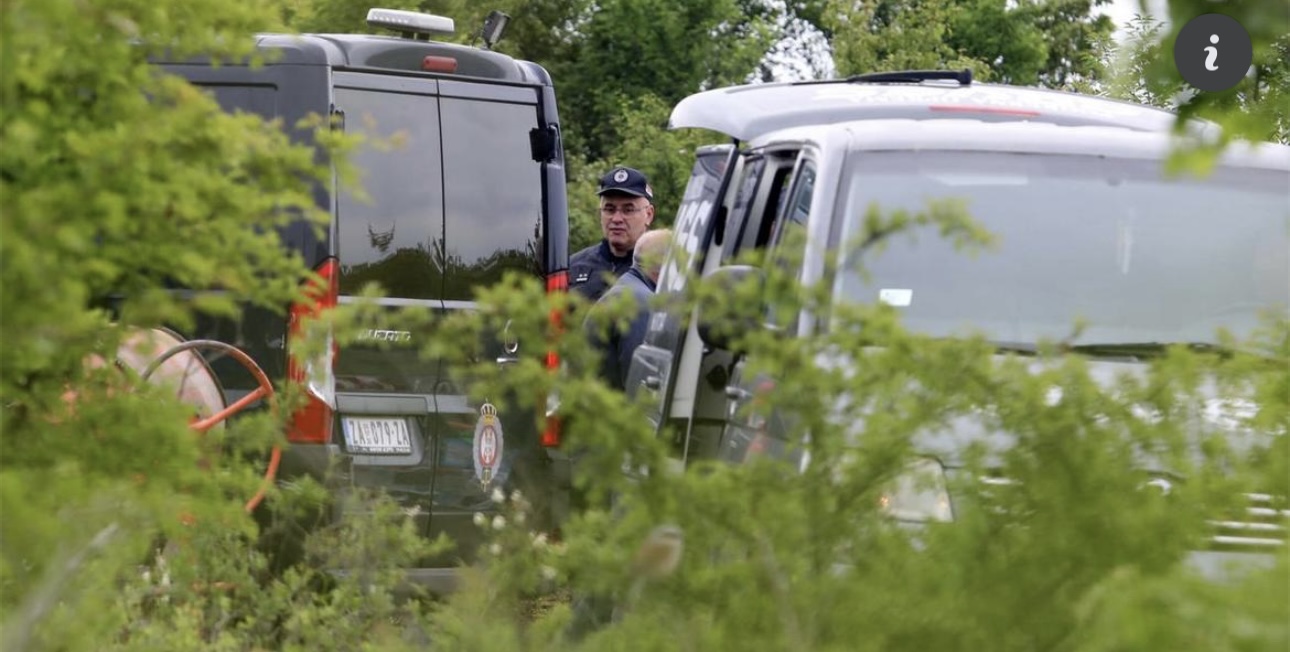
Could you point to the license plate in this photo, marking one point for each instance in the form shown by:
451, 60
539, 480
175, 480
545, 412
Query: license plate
377, 436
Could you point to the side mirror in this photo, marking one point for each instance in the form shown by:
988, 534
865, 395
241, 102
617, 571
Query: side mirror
719, 326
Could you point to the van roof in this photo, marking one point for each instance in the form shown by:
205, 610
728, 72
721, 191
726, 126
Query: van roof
1017, 137
389, 53
748, 111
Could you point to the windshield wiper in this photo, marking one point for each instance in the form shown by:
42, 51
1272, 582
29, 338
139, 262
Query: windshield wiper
1022, 348
1111, 349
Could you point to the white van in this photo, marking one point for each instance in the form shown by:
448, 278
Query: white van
1074, 186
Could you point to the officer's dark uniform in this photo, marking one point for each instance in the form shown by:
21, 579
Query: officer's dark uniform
593, 270
620, 346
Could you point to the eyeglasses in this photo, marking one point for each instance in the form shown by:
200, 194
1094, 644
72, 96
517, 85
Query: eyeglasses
627, 211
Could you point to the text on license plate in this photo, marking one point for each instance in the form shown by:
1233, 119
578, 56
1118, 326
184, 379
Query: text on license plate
377, 436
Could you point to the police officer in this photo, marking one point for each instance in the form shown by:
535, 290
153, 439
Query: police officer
626, 211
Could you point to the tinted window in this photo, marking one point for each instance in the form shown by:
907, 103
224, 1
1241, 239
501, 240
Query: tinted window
800, 209
395, 236
1142, 257
259, 99
790, 240
739, 213
761, 211
493, 199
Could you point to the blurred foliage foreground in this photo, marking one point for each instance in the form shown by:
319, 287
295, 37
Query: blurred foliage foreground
115, 179
1074, 555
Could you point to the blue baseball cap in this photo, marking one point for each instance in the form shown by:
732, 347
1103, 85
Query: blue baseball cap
627, 181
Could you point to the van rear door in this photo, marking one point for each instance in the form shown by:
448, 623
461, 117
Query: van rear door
494, 197
385, 393
455, 204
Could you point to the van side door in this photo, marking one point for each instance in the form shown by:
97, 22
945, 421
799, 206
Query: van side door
751, 430
653, 367
703, 373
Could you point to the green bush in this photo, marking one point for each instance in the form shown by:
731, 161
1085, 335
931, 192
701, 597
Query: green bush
123, 531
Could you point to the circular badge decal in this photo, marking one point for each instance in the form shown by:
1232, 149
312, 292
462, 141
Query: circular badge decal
487, 447
620, 176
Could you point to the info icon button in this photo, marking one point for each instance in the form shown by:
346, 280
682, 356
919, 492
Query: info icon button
1213, 52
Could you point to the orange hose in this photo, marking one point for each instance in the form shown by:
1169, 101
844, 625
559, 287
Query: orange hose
264, 390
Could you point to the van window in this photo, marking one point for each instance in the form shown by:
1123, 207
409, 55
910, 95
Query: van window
431, 230
493, 193
261, 99
790, 238
740, 212
765, 202
394, 236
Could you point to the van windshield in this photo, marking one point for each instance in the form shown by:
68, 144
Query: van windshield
1138, 256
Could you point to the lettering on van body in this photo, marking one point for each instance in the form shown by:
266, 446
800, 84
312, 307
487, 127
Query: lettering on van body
377, 335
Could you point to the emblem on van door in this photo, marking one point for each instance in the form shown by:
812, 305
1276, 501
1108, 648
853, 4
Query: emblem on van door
376, 335
487, 447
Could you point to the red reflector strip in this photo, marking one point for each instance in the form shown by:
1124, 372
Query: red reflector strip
951, 108
434, 63
557, 282
313, 422
551, 434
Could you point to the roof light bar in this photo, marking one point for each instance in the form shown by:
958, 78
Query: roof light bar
410, 22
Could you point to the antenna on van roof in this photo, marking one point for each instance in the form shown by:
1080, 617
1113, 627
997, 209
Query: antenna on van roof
494, 26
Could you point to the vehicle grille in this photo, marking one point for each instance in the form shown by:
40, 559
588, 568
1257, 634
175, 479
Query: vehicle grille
1264, 523
1261, 523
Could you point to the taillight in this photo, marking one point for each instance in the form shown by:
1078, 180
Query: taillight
557, 282
432, 63
312, 423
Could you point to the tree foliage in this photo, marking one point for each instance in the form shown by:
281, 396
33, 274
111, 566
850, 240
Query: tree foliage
1254, 109
1026, 43
117, 182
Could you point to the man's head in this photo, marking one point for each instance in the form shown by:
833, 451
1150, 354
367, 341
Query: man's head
651, 249
626, 208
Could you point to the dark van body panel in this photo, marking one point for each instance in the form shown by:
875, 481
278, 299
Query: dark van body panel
290, 93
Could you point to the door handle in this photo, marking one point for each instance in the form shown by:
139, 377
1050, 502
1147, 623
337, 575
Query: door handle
735, 393
652, 382
510, 344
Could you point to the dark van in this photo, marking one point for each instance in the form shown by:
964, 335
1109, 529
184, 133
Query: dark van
476, 190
